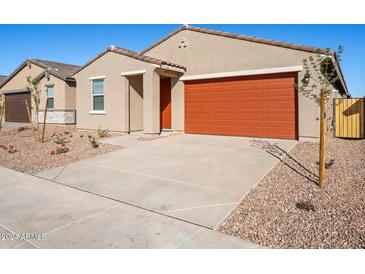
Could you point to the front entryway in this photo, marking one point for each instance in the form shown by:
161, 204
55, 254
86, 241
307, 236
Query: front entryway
165, 103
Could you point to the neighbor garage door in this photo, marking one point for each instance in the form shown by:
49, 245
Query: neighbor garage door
15, 107
254, 106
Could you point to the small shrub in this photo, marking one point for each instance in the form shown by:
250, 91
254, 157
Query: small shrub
60, 149
93, 143
81, 136
9, 149
21, 129
307, 206
61, 139
103, 132
327, 164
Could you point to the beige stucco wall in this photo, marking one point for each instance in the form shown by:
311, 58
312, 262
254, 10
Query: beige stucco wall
70, 95
206, 54
19, 81
59, 92
115, 118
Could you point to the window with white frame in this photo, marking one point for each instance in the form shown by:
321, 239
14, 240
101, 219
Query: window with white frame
98, 94
50, 96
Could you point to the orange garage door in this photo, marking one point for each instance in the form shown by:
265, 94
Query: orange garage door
254, 106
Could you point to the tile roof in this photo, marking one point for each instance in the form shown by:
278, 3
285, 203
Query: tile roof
2, 78
135, 55
241, 37
145, 58
251, 39
59, 70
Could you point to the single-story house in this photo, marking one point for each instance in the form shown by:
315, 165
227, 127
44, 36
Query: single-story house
202, 81
56, 84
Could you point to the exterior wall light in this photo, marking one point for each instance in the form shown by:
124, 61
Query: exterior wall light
306, 79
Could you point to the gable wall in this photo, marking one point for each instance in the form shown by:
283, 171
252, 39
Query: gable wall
207, 53
19, 81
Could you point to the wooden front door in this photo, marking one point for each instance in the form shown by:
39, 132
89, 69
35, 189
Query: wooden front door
165, 103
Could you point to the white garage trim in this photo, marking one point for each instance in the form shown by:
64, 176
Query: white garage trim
243, 73
132, 73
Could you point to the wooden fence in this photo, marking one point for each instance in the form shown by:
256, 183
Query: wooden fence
349, 118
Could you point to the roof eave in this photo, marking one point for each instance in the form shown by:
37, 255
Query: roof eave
91, 61
11, 75
239, 37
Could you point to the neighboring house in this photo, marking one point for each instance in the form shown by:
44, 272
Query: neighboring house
56, 84
224, 84
2, 78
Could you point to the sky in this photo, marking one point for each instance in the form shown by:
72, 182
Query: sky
77, 44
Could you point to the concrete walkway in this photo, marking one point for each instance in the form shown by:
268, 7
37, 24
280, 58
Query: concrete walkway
64, 217
197, 178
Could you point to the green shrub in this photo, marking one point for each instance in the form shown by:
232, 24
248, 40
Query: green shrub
103, 132
93, 143
60, 149
307, 206
61, 139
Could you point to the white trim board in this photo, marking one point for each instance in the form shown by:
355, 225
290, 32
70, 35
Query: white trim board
243, 73
97, 78
135, 72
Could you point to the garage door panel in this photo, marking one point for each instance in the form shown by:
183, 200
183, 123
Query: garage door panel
277, 105
222, 106
243, 94
222, 116
198, 96
15, 107
199, 129
222, 129
279, 92
255, 106
248, 105
248, 116
198, 107
250, 131
254, 81
198, 116
280, 117
278, 124
277, 132
222, 95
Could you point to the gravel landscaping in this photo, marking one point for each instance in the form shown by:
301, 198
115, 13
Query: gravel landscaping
19, 151
288, 210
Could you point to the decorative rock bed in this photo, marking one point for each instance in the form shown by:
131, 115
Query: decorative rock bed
288, 210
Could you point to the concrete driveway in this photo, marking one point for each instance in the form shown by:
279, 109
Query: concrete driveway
195, 178
37, 213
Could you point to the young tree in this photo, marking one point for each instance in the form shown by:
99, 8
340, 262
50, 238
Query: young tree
35, 92
325, 73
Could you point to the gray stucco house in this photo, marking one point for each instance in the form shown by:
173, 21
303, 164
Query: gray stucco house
202, 81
